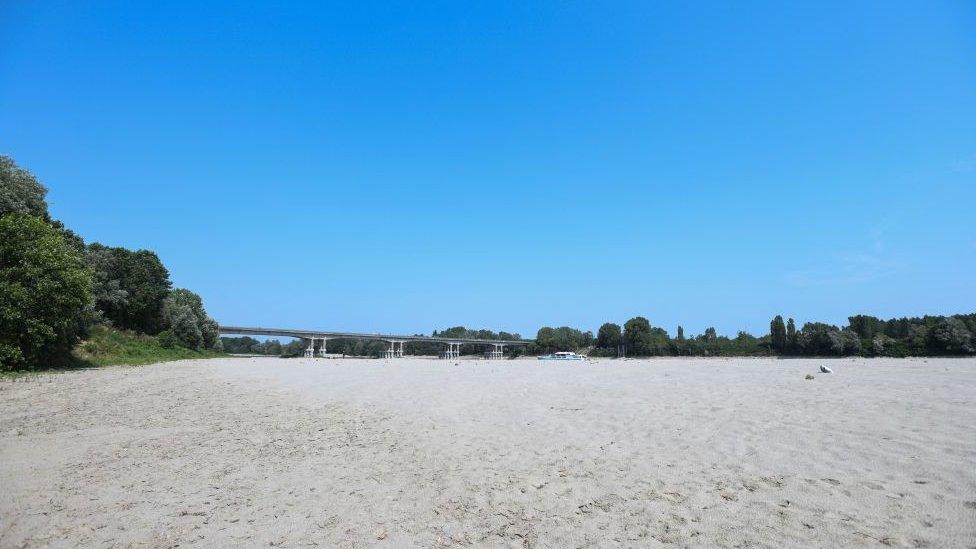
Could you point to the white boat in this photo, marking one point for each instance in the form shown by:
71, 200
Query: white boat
562, 355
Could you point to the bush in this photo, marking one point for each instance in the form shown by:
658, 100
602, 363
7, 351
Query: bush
167, 339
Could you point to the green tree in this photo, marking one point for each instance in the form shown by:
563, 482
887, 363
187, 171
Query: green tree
866, 327
183, 314
791, 338
131, 287
20, 191
272, 347
777, 334
950, 336
608, 336
44, 289
563, 338
107, 290
638, 337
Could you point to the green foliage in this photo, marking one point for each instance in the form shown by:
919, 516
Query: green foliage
951, 336
107, 346
248, 345
130, 287
54, 289
167, 339
641, 339
353, 348
293, 348
777, 333
791, 336
20, 191
609, 336
815, 339
184, 315
44, 290
564, 338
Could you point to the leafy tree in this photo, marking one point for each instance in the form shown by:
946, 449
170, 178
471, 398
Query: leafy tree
44, 289
866, 327
241, 344
211, 334
844, 342
563, 338
131, 287
185, 326
272, 347
791, 338
608, 336
777, 334
643, 340
183, 313
296, 347
107, 291
819, 339
20, 191
882, 345
951, 337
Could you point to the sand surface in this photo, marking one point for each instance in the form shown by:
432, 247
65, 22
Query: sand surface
412, 452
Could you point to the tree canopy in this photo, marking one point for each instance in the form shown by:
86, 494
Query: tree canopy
44, 290
20, 191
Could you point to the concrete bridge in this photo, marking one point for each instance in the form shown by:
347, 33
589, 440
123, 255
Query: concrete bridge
315, 340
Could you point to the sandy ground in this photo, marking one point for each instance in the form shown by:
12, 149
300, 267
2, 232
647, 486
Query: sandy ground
410, 452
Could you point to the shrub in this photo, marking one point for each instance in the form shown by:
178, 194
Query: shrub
167, 339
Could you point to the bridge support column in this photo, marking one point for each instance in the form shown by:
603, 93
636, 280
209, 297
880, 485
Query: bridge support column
398, 350
309, 348
453, 350
391, 351
322, 351
499, 352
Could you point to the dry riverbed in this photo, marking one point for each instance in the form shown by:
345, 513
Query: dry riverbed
415, 452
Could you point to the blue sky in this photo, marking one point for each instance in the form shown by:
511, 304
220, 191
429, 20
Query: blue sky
404, 167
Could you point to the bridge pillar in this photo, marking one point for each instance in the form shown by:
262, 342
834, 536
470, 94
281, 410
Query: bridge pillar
453, 350
309, 348
322, 351
391, 350
499, 352
398, 350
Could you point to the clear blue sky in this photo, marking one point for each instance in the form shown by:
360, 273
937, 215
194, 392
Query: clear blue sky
404, 167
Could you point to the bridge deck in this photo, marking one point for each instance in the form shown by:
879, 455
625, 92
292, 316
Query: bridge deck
319, 334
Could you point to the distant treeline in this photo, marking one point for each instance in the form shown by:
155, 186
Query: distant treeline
54, 288
863, 336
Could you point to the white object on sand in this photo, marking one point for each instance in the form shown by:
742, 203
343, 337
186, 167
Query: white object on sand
825, 369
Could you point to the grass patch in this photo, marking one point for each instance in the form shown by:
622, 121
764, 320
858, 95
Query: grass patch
109, 347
